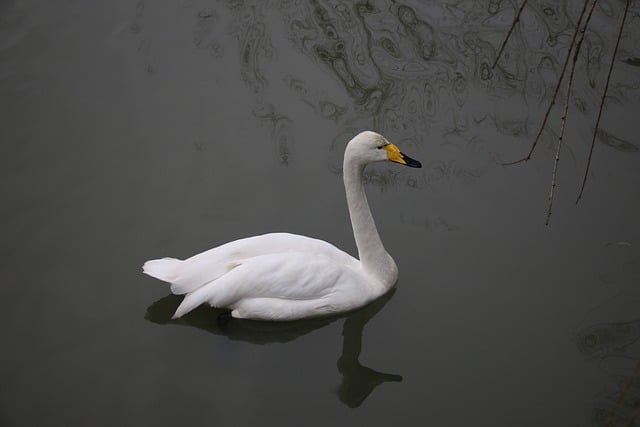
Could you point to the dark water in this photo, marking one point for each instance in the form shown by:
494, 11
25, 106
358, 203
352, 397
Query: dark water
132, 131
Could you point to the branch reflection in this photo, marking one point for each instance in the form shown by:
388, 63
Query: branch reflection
358, 381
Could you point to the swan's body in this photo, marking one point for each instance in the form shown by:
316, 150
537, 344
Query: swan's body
283, 276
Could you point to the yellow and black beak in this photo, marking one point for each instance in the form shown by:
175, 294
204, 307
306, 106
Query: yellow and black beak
394, 154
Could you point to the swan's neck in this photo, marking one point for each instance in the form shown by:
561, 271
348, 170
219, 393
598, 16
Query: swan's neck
373, 256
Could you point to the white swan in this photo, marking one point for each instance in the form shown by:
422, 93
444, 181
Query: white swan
283, 276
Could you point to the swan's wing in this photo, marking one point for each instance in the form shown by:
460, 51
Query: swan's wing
188, 275
291, 276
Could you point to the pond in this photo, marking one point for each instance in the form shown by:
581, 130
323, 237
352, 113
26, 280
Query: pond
137, 130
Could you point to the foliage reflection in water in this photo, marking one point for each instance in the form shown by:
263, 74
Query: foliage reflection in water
614, 345
417, 70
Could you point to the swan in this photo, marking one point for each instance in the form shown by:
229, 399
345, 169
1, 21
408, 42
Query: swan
282, 276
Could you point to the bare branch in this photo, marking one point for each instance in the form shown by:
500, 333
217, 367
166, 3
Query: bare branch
555, 92
562, 128
567, 99
513, 25
604, 94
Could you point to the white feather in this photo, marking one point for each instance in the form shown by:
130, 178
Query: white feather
282, 276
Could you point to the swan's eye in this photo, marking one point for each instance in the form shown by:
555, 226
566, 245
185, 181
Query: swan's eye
380, 147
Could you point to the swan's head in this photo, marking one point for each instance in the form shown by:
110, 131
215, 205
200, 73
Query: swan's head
369, 147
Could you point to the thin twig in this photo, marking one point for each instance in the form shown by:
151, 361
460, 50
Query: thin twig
555, 92
604, 94
504, 42
565, 113
557, 159
583, 30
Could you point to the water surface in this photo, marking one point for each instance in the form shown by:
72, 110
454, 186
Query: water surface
135, 130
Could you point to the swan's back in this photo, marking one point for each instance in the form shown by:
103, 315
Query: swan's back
192, 273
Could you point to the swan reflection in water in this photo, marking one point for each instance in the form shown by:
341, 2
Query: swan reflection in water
358, 381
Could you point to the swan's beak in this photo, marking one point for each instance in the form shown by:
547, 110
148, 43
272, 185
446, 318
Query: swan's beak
394, 154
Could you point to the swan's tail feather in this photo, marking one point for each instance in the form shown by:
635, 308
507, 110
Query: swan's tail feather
196, 273
221, 292
193, 277
165, 269
171, 270
200, 279
192, 300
